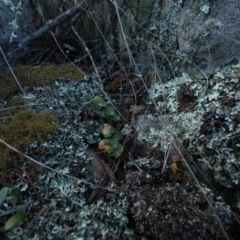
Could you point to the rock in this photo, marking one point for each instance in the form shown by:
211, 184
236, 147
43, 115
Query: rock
197, 36
15, 22
210, 39
149, 128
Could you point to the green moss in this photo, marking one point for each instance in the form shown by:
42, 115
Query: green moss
46, 73
23, 127
29, 126
31, 76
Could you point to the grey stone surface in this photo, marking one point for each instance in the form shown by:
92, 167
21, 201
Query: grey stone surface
211, 40
16, 19
194, 36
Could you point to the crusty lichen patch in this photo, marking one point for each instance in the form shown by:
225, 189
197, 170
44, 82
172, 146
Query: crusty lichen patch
208, 124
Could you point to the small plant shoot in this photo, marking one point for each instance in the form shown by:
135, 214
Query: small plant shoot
111, 143
112, 136
107, 111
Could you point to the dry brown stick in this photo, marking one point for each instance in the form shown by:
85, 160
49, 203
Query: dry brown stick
79, 8
108, 170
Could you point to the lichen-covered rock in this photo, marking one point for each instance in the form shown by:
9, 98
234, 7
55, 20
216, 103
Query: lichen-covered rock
206, 133
17, 17
210, 130
149, 129
69, 144
61, 210
194, 36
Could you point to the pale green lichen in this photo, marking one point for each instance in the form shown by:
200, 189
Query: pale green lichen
169, 92
16, 9
204, 6
68, 216
64, 212
212, 131
13, 7
127, 130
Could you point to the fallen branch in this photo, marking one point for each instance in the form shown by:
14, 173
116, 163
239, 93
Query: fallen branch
79, 8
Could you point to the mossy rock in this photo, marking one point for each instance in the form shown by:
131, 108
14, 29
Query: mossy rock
31, 76
23, 127
20, 126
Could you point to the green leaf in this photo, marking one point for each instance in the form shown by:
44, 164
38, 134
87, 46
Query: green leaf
99, 101
108, 130
108, 111
14, 220
3, 195
85, 103
116, 136
103, 146
107, 145
14, 195
117, 151
112, 144
115, 117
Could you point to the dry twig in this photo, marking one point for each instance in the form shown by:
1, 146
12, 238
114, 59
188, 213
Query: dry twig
77, 9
